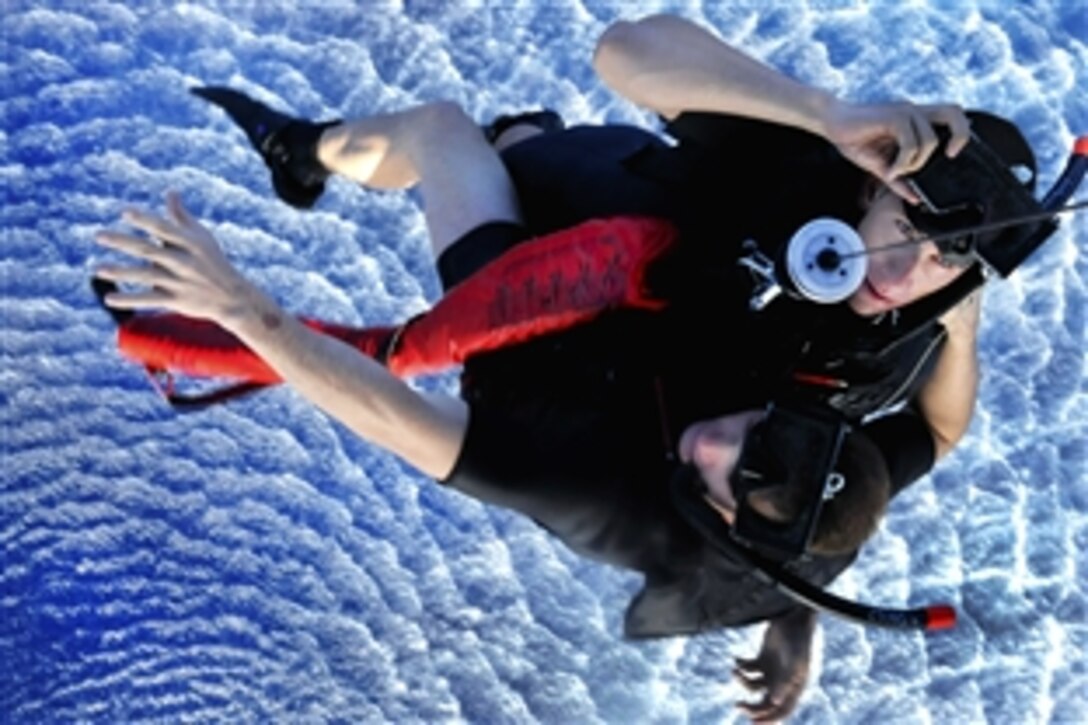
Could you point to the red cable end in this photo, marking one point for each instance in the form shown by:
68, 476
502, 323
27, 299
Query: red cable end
1080, 146
940, 616
821, 380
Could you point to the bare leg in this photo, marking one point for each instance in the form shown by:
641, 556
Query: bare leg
461, 178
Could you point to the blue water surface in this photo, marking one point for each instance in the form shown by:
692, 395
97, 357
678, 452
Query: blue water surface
255, 562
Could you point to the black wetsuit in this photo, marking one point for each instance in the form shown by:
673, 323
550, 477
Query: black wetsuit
578, 430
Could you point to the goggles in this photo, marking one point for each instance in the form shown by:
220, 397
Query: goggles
810, 438
957, 250
971, 190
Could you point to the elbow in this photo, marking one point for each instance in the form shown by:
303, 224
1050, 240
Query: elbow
623, 43
942, 446
945, 440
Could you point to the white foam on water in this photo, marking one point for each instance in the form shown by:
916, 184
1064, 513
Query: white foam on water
255, 562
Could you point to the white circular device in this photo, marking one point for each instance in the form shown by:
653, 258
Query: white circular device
825, 260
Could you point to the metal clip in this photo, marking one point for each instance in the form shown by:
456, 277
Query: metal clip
835, 483
766, 287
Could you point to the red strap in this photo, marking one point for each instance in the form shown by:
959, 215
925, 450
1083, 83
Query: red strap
539, 287
198, 348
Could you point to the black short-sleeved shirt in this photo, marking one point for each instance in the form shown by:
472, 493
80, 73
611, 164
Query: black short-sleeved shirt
578, 430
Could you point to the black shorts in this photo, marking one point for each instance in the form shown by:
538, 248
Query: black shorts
565, 178
476, 248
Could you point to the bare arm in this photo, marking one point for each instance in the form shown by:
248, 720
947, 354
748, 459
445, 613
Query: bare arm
427, 432
671, 65
190, 275
947, 401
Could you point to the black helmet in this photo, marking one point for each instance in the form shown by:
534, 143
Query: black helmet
1005, 140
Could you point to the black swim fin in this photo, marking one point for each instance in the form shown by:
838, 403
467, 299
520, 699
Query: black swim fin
287, 145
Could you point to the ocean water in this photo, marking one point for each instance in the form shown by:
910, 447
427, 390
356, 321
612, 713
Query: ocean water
257, 563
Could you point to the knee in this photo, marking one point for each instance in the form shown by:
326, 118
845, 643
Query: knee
444, 119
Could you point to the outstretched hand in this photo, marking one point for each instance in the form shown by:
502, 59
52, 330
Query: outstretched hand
893, 140
184, 269
780, 670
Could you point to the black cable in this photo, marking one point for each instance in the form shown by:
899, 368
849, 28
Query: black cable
978, 229
710, 525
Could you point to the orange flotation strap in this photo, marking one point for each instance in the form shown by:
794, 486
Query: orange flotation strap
541, 286
199, 348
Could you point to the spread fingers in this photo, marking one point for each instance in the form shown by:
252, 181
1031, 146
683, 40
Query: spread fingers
138, 247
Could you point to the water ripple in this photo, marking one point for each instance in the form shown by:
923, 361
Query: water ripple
256, 563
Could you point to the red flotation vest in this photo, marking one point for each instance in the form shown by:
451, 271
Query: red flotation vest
541, 286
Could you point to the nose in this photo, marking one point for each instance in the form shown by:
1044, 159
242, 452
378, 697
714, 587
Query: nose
710, 450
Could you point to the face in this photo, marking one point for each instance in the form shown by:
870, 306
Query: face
901, 275
713, 446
